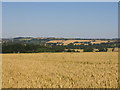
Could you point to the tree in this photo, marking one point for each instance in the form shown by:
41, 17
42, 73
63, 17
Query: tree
88, 49
101, 49
69, 50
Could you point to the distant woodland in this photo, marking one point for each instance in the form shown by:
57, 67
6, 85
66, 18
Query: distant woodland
27, 45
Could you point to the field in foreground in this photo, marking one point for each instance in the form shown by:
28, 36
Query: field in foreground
60, 70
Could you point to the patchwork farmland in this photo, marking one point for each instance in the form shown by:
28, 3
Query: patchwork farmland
60, 70
78, 42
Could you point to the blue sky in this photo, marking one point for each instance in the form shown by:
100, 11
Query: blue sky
1, 20
60, 19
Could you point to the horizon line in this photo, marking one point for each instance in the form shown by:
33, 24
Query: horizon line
56, 37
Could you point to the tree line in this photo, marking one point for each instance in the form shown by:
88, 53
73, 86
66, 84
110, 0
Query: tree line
28, 48
36, 48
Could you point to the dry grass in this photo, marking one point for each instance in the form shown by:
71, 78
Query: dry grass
60, 70
66, 42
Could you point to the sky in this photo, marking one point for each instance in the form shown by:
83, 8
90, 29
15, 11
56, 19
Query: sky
60, 19
0, 20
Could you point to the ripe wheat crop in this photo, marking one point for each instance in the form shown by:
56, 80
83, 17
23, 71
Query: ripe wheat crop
60, 70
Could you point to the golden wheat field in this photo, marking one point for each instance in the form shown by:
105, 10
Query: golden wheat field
60, 70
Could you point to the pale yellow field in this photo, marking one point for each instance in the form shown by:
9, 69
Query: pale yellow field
66, 42
60, 70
